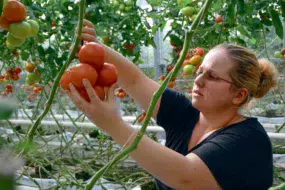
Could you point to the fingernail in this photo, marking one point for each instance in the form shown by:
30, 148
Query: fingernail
84, 82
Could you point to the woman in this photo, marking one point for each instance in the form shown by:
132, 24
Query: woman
209, 145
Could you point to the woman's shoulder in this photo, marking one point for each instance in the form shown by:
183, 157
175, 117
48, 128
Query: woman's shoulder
249, 130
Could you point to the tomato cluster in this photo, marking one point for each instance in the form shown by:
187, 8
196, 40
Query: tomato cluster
13, 20
129, 46
11, 74
92, 68
193, 60
190, 12
123, 6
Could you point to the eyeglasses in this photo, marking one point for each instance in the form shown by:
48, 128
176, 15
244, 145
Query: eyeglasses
210, 76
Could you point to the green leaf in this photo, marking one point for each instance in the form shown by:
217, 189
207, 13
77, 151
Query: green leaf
25, 55
183, 3
147, 25
176, 40
41, 51
217, 6
150, 41
253, 41
243, 31
241, 7
154, 29
277, 23
231, 13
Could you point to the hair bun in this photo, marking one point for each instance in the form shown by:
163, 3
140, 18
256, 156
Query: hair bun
268, 77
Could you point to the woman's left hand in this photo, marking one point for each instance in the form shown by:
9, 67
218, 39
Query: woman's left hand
103, 114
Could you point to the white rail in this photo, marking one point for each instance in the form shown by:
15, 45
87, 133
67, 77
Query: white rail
88, 126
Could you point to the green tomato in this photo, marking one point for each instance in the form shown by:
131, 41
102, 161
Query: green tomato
122, 7
9, 46
20, 29
116, 3
128, 8
188, 11
189, 69
129, 3
193, 17
34, 28
15, 42
174, 25
278, 54
179, 2
32, 77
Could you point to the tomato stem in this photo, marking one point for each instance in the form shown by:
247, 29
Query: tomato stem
157, 94
32, 130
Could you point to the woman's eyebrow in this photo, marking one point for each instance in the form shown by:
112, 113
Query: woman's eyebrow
210, 70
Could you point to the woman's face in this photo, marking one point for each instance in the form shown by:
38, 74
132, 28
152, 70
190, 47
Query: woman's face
213, 82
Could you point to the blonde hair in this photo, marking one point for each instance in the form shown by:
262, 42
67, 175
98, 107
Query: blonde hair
256, 75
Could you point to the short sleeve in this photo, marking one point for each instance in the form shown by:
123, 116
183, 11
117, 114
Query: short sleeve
238, 161
175, 109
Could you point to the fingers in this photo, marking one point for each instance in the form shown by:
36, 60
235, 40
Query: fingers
88, 23
90, 91
88, 37
110, 92
86, 30
78, 101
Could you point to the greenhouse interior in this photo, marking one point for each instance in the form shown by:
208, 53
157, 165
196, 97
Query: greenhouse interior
141, 58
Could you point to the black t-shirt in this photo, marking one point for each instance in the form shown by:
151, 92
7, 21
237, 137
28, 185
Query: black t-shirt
239, 155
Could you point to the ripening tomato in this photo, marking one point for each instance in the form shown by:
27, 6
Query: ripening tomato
80, 72
65, 80
17, 70
141, 118
93, 54
14, 11
108, 75
30, 67
9, 86
199, 51
219, 19
4, 23
15, 77
196, 60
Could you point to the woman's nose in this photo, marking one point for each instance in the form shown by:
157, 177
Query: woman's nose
200, 80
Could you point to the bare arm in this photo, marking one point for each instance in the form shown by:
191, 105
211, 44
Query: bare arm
132, 80
170, 167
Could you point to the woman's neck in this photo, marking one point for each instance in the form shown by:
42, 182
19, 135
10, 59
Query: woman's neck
217, 121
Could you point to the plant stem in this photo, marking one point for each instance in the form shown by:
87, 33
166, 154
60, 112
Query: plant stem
1, 6
31, 132
157, 94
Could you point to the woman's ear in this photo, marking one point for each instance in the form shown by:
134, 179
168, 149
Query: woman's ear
240, 95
